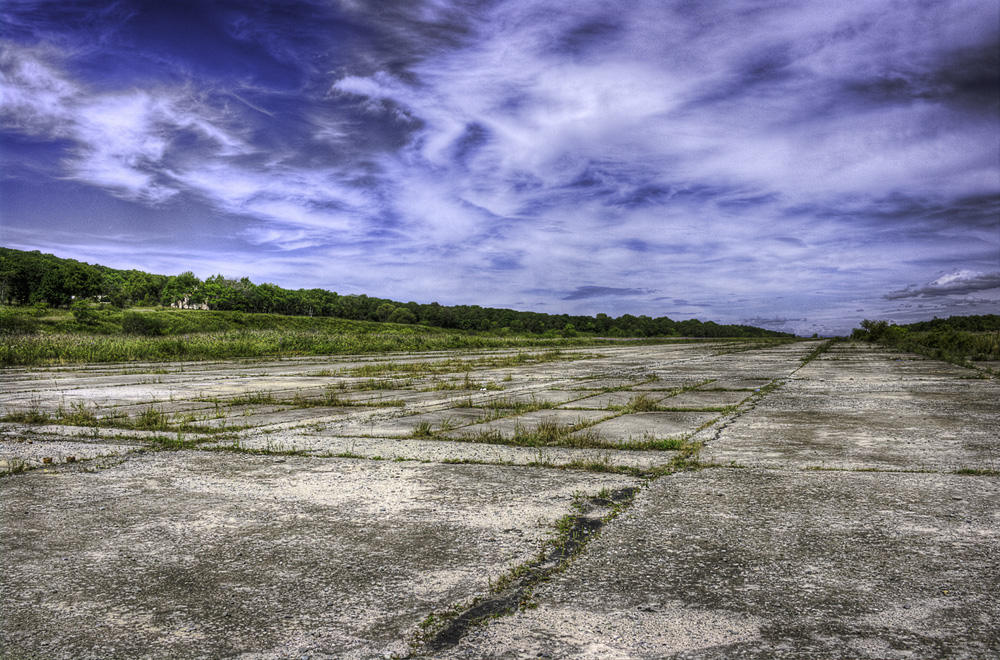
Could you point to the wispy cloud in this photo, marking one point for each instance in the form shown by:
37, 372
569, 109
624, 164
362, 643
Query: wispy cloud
117, 140
961, 283
602, 292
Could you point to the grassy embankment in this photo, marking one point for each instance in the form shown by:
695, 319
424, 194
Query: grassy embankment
959, 347
967, 348
33, 336
43, 336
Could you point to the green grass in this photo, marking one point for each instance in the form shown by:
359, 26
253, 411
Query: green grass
160, 335
641, 403
14, 465
29, 350
422, 430
148, 419
373, 384
550, 433
466, 384
57, 338
978, 472
819, 350
252, 399
508, 407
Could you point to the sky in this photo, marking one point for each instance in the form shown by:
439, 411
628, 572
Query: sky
794, 165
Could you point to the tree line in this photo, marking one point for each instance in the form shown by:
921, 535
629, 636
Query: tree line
28, 278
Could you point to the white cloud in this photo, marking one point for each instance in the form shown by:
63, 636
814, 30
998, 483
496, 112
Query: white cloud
960, 283
121, 141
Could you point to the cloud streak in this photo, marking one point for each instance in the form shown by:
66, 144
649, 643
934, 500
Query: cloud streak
961, 283
584, 292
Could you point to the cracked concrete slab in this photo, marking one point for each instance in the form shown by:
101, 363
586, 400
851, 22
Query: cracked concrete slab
866, 409
612, 400
710, 399
530, 421
197, 554
554, 397
454, 451
759, 563
650, 425
405, 426
29, 450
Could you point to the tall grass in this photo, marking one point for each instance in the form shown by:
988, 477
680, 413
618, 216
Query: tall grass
29, 337
26, 350
960, 347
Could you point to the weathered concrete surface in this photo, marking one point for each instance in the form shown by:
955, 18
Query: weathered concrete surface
711, 399
791, 562
805, 533
527, 422
20, 450
204, 555
650, 426
770, 563
858, 408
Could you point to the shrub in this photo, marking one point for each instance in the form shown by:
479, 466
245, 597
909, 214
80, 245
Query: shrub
135, 323
84, 313
12, 323
870, 330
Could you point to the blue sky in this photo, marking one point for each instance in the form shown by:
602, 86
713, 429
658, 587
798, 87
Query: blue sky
793, 165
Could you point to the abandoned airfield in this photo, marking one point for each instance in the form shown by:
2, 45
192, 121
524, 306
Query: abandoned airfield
686, 500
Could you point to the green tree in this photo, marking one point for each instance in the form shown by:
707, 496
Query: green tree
384, 311
179, 287
402, 315
52, 288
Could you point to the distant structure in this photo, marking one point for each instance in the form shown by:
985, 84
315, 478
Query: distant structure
184, 303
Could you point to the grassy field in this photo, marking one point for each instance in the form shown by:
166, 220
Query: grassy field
43, 336
966, 347
37, 337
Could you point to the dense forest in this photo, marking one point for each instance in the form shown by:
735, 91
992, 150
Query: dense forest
28, 278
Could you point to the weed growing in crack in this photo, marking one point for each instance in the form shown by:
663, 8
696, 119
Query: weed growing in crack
168, 443
514, 589
149, 419
448, 424
641, 403
331, 399
373, 384
252, 399
978, 472
79, 416
422, 430
32, 414
466, 384
14, 465
819, 350
514, 407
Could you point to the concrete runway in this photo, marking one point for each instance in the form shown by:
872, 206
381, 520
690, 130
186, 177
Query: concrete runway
669, 501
